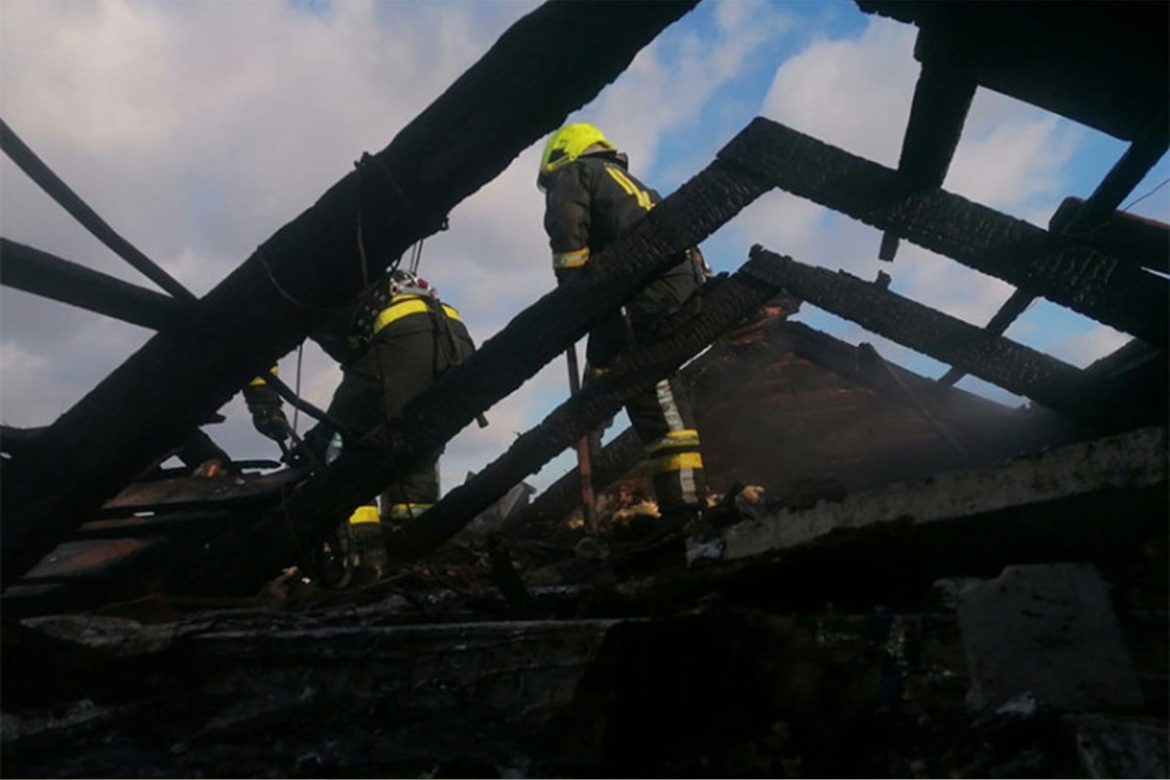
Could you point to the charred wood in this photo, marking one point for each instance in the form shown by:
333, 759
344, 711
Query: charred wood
217, 492
612, 461
1066, 272
523, 87
1134, 239
1012, 366
942, 98
199, 448
40, 273
1142, 155
1081, 220
48, 181
1079, 60
192, 553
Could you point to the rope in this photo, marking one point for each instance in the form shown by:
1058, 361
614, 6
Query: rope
276, 285
1133, 203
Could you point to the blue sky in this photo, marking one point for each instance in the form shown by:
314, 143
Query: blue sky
198, 129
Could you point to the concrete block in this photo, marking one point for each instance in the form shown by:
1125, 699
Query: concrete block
1050, 631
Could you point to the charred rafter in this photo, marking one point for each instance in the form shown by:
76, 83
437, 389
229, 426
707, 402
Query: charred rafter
40, 273
942, 98
1080, 220
1141, 242
1062, 270
1012, 366
39, 172
1084, 61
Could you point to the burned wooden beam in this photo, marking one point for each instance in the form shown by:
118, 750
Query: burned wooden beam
1089, 216
40, 273
522, 88
1129, 237
59, 191
1081, 60
1141, 156
1062, 270
1012, 366
726, 303
938, 111
1016, 304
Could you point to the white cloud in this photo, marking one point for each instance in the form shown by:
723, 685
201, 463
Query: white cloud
852, 93
1093, 344
669, 83
1011, 155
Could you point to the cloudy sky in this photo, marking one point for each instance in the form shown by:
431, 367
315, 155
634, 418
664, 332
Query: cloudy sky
197, 129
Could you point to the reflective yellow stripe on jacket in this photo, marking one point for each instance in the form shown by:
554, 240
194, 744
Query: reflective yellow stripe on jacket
633, 190
405, 305
259, 380
679, 462
574, 259
407, 511
367, 513
676, 451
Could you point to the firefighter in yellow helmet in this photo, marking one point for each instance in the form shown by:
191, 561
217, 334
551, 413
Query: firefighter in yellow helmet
592, 200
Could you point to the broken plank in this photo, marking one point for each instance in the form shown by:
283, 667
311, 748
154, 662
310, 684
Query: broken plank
1012, 366
219, 492
191, 552
523, 87
553, 505
1060, 269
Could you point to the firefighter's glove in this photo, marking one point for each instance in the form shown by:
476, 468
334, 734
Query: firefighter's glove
270, 422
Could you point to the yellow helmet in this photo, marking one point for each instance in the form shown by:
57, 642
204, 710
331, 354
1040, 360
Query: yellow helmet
566, 145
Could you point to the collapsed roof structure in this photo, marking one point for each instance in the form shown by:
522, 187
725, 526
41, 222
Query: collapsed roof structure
630, 657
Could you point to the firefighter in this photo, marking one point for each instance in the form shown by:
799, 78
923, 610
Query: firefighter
592, 200
392, 343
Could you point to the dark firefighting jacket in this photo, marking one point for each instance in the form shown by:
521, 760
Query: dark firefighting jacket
590, 204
